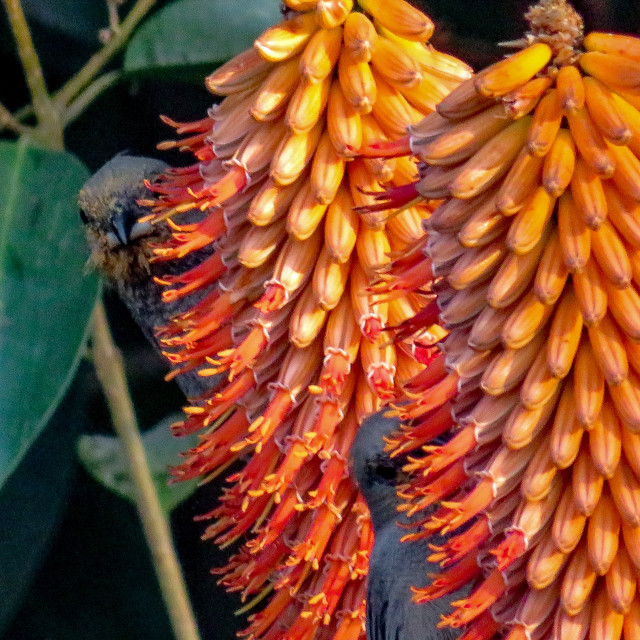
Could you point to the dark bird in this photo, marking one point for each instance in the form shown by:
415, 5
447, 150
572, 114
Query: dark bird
122, 247
394, 566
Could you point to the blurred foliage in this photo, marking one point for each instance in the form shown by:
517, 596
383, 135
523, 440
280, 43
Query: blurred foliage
103, 457
73, 562
159, 49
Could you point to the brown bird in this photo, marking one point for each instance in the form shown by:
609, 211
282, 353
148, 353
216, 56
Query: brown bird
122, 248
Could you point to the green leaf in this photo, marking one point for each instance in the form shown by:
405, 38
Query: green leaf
104, 458
35, 497
195, 36
46, 297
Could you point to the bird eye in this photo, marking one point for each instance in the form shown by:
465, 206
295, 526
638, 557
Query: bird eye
84, 217
386, 470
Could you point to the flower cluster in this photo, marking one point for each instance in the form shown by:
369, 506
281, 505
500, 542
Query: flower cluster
535, 251
287, 316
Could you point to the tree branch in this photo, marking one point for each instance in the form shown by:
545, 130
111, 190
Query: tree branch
93, 91
8, 121
46, 112
110, 371
99, 59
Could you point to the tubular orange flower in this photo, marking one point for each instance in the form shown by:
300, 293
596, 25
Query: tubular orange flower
291, 320
548, 302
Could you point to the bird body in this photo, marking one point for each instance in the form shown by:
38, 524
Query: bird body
122, 249
394, 566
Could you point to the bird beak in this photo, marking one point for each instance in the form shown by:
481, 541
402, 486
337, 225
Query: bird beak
140, 229
126, 229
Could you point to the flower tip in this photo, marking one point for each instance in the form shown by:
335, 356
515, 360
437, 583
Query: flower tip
274, 298
510, 549
387, 148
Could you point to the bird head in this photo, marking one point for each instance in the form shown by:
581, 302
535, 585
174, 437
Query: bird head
378, 474
120, 244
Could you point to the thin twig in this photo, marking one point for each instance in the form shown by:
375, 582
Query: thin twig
8, 121
97, 61
114, 18
46, 112
93, 91
24, 112
110, 371
55, 109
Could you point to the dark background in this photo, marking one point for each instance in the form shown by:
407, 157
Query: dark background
94, 578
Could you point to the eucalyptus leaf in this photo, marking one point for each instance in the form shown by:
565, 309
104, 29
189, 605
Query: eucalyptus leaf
46, 296
192, 35
104, 458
